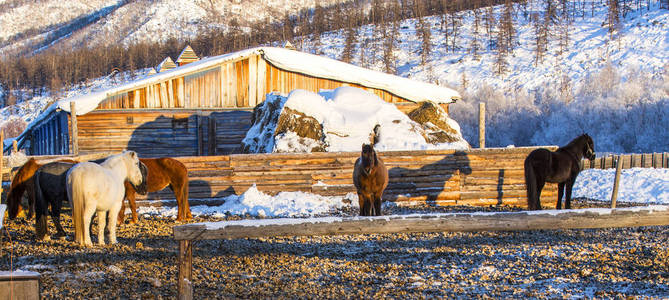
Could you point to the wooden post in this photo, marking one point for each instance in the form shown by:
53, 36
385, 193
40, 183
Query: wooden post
614, 194
481, 125
199, 129
15, 146
75, 129
184, 285
212, 135
2, 156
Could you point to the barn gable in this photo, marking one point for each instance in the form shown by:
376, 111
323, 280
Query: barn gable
187, 56
166, 64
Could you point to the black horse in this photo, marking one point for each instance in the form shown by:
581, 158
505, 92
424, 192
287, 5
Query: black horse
561, 167
49, 188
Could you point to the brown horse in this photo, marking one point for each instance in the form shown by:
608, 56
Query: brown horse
370, 178
22, 182
162, 172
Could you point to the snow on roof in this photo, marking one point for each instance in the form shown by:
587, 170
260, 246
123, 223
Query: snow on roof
295, 61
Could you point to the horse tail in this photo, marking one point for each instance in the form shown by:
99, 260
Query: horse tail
531, 184
75, 196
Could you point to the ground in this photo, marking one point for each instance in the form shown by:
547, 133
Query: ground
601, 263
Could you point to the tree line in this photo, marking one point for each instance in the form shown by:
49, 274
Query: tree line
53, 69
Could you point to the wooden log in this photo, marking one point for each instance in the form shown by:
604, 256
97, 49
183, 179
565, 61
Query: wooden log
75, 130
2, 158
481, 125
447, 222
184, 284
614, 194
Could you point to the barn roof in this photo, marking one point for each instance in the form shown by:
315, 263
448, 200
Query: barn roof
294, 61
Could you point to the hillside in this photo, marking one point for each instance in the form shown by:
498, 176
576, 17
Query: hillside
610, 85
77, 23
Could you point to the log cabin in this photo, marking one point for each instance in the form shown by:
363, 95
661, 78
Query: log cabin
203, 106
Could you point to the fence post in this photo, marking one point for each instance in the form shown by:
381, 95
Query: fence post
614, 194
75, 129
481, 125
2, 157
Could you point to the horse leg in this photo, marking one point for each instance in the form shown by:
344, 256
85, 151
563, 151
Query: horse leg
364, 205
88, 216
377, 204
560, 192
55, 217
567, 200
112, 224
540, 186
102, 220
181, 193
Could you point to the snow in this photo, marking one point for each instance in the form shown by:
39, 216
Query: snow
348, 116
319, 66
648, 188
642, 185
3, 207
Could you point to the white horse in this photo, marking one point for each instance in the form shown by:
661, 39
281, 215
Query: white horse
99, 188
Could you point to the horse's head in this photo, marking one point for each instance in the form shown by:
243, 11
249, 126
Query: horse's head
142, 188
136, 176
368, 158
588, 147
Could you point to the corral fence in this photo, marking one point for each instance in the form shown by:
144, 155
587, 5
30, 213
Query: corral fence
636, 160
478, 177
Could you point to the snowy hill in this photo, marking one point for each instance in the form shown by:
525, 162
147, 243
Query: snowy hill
77, 23
613, 87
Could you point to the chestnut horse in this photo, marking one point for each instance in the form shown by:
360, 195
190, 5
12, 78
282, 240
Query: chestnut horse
22, 182
561, 167
370, 178
162, 172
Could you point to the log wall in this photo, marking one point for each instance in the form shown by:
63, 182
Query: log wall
445, 177
157, 133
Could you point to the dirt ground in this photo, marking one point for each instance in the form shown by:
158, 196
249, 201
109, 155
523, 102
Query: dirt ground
603, 263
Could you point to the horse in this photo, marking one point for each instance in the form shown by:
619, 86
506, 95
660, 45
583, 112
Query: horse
370, 178
22, 182
49, 190
162, 172
561, 167
93, 188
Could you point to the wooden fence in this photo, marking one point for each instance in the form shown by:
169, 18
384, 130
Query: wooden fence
644, 160
501, 221
445, 177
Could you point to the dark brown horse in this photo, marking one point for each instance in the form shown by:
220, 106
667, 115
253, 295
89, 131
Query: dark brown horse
22, 182
561, 167
162, 172
370, 178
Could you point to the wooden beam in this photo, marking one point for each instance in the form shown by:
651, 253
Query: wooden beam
481, 125
75, 129
455, 222
184, 285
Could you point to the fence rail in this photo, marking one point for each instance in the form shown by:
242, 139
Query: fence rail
636, 160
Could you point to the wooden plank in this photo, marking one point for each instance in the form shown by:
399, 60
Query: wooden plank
448, 222
185, 259
75, 130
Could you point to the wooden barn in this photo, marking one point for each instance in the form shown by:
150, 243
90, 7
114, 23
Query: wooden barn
203, 106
